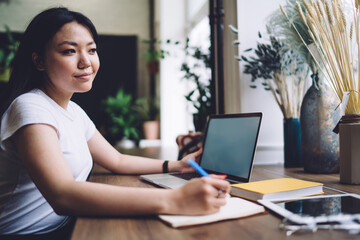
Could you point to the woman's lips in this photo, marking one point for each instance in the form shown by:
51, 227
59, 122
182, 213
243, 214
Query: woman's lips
85, 76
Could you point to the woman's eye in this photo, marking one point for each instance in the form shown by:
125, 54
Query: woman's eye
69, 51
93, 50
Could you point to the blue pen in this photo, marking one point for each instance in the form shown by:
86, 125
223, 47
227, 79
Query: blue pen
203, 173
197, 167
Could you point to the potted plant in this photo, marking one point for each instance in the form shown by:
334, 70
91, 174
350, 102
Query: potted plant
123, 119
274, 66
319, 144
198, 70
148, 111
8, 49
154, 54
335, 33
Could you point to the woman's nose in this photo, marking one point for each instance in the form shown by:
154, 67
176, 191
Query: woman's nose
84, 61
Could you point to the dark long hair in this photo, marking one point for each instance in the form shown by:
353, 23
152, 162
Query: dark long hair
24, 76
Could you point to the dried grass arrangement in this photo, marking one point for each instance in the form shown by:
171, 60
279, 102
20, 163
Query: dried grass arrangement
282, 28
289, 94
282, 72
338, 43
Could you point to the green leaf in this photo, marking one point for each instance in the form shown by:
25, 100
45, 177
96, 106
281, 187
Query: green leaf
2, 56
9, 59
244, 58
123, 115
8, 33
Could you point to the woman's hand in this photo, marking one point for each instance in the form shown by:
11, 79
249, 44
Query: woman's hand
182, 165
199, 196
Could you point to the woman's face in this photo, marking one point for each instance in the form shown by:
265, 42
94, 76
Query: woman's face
70, 60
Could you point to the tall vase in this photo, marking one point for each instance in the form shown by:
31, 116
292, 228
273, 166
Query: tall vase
319, 144
292, 143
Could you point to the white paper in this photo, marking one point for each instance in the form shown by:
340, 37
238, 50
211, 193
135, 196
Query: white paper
344, 102
234, 208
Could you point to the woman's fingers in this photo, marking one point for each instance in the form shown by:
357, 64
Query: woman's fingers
218, 176
215, 193
218, 183
194, 155
201, 196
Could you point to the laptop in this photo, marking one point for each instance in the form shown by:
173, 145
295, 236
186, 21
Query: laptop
229, 146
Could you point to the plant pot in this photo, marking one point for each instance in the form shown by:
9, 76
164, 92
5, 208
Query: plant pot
153, 67
292, 143
349, 134
199, 122
5, 74
126, 143
151, 130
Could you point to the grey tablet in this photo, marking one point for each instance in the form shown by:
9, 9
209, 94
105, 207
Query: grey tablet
316, 209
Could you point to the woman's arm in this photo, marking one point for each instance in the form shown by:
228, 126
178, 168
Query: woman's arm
107, 156
40, 151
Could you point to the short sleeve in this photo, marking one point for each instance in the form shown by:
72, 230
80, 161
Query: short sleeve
27, 109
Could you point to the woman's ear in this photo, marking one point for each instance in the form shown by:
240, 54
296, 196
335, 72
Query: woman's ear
38, 61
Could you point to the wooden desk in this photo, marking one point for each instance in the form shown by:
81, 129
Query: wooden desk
263, 226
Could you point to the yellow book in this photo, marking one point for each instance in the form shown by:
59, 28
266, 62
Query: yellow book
276, 188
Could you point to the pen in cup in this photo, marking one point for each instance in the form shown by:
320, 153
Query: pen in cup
203, 173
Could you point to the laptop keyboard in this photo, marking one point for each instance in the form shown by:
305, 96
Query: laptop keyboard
186, 175
190, 175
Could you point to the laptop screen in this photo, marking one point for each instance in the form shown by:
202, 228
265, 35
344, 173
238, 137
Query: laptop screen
230, 144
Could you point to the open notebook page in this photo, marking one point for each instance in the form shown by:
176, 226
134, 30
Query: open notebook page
234, 208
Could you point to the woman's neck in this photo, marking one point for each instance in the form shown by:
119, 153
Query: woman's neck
61, 98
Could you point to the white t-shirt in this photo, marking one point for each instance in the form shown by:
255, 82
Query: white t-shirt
23, 210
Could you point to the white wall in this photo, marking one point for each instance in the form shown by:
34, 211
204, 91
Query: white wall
251, 19
178, 18
174, 116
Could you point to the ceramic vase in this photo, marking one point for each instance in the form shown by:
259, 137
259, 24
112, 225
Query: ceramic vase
125, 143
292, 143
151, 130
319, 144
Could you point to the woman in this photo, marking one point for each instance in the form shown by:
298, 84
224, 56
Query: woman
48, 143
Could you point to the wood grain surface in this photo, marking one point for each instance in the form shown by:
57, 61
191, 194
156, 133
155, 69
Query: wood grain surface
261, 226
